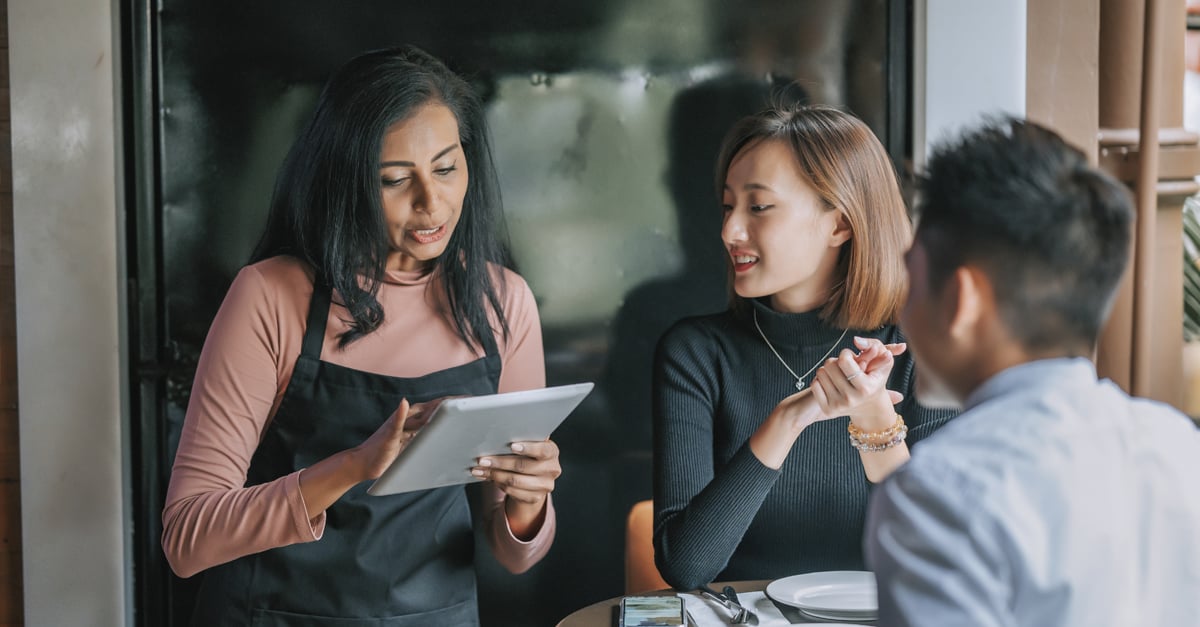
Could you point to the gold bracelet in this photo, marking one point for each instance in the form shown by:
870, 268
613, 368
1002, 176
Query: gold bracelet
877, 437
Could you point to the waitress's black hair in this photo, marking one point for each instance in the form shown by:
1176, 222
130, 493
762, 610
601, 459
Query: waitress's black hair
327, 209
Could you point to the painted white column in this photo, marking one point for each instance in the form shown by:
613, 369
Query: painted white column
68, 293
968, 62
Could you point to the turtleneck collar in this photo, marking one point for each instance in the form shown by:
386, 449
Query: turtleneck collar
790, 329
407, 277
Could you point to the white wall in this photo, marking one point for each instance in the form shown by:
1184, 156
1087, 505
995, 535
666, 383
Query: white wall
968, 60
65, 223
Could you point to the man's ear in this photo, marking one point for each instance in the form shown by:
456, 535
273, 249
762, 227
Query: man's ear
968, 297
842, 232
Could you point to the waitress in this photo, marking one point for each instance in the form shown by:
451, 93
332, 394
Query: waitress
380, 285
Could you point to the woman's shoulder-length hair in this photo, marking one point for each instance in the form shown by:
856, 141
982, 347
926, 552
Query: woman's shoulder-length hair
327, 209
850, 171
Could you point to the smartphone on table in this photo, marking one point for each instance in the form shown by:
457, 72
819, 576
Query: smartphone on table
650, 611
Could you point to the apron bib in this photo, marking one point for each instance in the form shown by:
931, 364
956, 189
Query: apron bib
385, 561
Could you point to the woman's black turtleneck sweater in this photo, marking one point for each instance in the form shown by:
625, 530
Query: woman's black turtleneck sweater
720, 514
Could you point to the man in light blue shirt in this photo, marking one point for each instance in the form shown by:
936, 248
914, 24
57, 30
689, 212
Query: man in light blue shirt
1054, 498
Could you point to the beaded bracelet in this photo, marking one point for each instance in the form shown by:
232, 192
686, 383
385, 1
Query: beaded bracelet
870, 447
877, 436
878, 440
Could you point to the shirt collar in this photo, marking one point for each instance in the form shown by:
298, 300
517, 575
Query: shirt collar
1034, 375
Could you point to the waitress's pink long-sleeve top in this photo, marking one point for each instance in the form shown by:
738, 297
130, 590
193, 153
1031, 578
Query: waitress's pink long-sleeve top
247, 361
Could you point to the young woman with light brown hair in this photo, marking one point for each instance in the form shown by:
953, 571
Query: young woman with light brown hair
758, 472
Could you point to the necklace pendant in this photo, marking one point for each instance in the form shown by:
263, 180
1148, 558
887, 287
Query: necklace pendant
800, 385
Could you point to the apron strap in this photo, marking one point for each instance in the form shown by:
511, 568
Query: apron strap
318, 314
489, 342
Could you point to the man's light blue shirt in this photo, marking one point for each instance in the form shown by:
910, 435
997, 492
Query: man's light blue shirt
1053, 499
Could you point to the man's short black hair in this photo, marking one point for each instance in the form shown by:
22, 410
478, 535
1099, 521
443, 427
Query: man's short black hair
1051, 232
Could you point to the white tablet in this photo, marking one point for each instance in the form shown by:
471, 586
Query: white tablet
461, 430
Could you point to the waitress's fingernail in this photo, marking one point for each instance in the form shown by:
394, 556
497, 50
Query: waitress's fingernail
478, 472
517, 448
485, 462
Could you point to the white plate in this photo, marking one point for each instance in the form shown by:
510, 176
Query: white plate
838, 616
838, 594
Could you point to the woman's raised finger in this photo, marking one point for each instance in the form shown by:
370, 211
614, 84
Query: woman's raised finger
545, 449
506, 480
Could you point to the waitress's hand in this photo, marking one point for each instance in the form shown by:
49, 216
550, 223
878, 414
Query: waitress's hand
526, 477
855, 385
378, 452
326, 481
420, 413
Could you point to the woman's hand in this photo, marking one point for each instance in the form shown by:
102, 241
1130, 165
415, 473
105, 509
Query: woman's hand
326, 481
854, 385
773, 439
378, 452
797, 411
526, 478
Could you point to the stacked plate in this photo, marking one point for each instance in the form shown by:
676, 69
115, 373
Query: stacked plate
839, 595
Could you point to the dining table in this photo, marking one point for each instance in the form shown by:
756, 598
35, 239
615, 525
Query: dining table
605, 613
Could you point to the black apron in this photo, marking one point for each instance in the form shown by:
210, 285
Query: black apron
383, 561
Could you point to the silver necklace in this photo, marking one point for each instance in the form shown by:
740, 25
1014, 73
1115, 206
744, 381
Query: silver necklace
800, 379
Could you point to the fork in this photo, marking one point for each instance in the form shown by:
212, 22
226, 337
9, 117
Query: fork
741, 615
746, 616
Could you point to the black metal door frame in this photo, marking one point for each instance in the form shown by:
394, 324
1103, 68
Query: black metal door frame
141, 145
